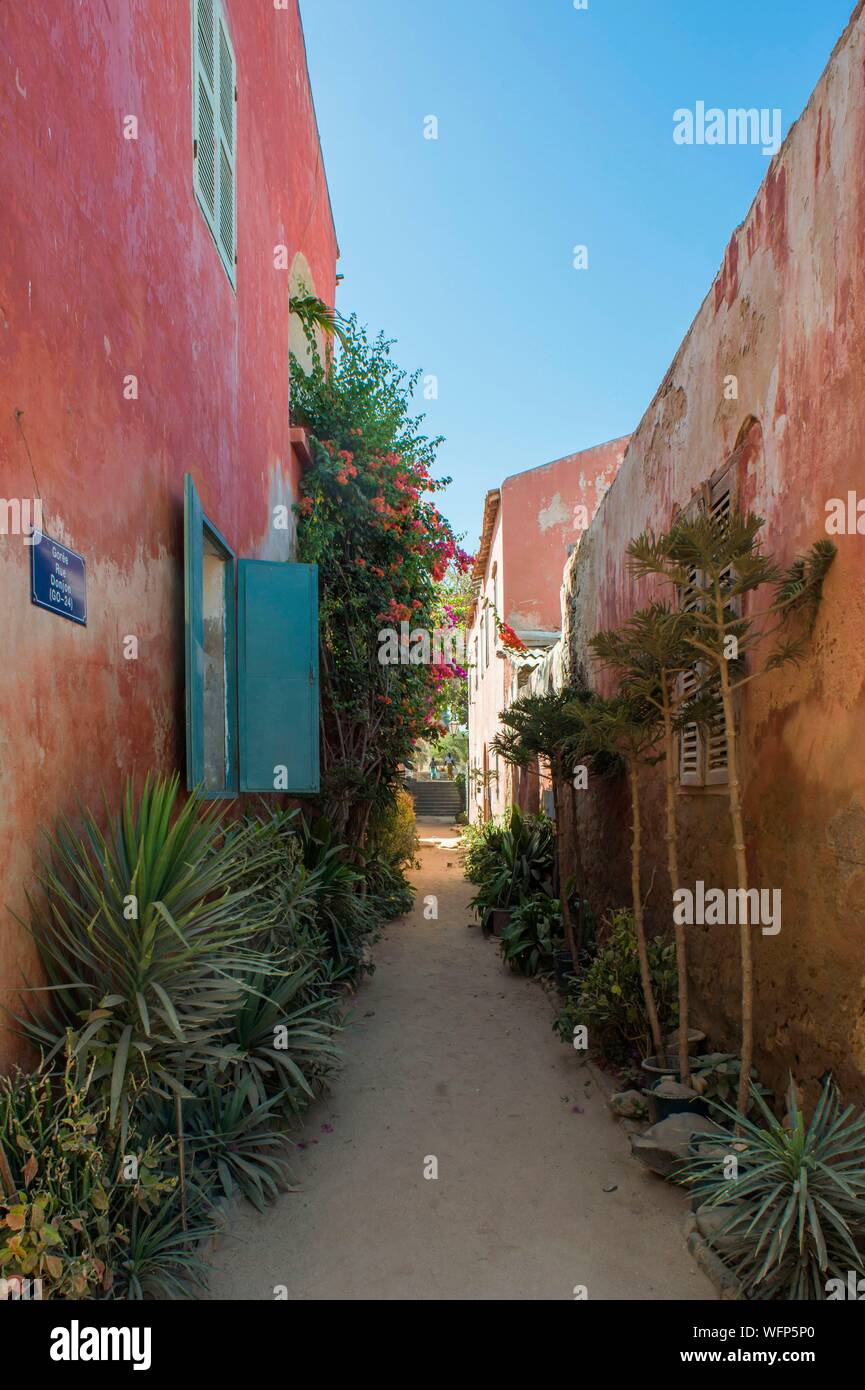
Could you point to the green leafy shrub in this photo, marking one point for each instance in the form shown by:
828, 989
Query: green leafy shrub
797, 1206
71, 1192
510, 862
608, 997
533, 933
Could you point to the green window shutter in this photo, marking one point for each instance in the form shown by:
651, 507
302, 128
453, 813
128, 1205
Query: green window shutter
214, 124
227, 141
278, 704
204, 97
193, 557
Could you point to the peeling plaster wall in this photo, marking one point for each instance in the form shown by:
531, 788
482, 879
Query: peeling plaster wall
541, 518
786, 315
108, 268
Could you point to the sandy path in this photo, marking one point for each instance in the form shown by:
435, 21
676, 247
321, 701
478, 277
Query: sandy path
452, 1057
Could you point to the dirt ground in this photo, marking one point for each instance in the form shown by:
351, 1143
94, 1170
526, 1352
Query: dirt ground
452, 1058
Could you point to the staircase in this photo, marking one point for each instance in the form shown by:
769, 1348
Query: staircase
435, 798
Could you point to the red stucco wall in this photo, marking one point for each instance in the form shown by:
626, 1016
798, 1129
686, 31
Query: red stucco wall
107, 268
786, 316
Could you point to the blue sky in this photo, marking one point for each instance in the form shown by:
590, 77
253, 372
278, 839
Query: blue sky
555, 130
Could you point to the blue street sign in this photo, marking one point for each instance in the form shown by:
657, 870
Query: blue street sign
59, 581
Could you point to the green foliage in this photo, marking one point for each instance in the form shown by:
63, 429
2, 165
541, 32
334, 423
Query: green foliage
716, 1076
532, 935
235, 1140
608, 996
143, 935
797, 1206
282, 1037
67, 1204
509, 862
348, 919
382, 548
198, 1025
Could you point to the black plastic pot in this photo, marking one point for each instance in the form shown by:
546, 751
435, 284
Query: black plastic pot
663, 1106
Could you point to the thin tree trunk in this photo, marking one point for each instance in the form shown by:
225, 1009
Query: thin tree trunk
642, 952
562, 887
578, 864
735, 795
673, 868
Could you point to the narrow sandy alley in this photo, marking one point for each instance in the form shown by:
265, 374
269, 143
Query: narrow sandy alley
451, 1057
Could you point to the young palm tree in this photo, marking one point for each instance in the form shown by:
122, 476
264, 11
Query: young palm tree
716, 561
627, 727
651, 656
314, 313
537, 726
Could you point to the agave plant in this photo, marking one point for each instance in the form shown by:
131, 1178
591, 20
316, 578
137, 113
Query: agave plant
797, 1207
144, 937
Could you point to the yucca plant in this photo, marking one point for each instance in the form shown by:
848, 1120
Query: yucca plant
346, 917
283, 1033
162, 1256
715, 563
235, 1141
144, 936
798, 1203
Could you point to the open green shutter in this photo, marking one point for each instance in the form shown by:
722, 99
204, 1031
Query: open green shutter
193, 586
278, 698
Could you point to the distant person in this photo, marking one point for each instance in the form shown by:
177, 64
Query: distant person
433, 769
449, 764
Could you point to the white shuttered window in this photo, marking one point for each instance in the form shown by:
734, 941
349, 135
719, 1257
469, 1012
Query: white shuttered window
214, 125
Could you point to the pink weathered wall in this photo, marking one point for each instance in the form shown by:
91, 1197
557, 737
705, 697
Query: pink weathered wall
537, 522
786, 315
541, 521
108, 268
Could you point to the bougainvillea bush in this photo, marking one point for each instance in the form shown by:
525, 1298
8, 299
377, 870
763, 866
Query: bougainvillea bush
367, 518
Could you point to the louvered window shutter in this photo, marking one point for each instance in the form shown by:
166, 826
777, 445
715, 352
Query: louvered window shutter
204, 107
214, 80
719, 503
690, 738
227, 141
